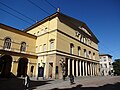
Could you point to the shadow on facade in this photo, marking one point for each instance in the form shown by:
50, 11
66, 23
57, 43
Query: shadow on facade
18, 84
115, 86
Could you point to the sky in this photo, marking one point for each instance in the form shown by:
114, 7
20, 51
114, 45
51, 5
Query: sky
101, 16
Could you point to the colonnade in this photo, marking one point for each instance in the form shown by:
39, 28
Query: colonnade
81, 67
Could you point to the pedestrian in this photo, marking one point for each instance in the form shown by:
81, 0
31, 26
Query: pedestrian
71, 78
63, 77
26, 82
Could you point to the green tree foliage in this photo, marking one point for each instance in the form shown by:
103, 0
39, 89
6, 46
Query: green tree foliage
116, 66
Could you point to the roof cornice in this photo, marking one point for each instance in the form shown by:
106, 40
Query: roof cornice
6, 27
42, 21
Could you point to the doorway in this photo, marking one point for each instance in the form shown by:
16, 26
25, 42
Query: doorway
5, 65
22, 67
50, 69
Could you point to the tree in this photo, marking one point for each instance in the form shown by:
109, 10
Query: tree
116, 66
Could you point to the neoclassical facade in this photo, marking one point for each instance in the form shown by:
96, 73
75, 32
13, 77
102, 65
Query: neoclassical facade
55, 46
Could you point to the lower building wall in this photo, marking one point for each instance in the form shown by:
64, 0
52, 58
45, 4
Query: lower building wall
30, 65
55, 66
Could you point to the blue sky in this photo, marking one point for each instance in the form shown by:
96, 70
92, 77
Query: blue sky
101, 16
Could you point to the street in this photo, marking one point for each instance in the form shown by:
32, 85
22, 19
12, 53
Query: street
81, 83
84, 83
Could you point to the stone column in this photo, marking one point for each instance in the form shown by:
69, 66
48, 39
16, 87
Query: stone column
86, 66
68, 66
28, 68
91, 69
83, 68
80, 67
73, 67
12, 66
97, 69
76, 67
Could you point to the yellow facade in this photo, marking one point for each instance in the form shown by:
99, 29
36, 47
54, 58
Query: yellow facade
48, 42
17, 37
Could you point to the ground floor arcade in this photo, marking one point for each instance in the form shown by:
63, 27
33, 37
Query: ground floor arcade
14, 65
50, 66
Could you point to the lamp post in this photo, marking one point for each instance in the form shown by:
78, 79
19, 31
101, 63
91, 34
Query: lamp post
63, 64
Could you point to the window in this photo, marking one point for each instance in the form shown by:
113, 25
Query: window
7, 43
51, 45
23, 47
94, 56
40, 48
79, 51
38, 33
36, 48
71, 48
46, 29
85, 53
90, 54
105, 65
44, 47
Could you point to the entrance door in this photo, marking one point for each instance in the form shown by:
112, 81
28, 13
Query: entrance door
50, 69
22, 67
5, 65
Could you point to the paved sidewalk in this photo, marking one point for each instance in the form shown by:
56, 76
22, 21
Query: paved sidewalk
82, 82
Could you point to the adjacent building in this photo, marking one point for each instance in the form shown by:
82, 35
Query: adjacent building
56, 45
106, 67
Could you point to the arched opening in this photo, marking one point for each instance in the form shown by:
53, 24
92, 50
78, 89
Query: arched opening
7, 43
5, 65
22, 67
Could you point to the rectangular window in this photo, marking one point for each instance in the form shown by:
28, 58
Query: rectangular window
46, 29
79, 51
51, 45
38, 33
85, 53
105, 65
71, 48
40, 48
36, 48
90, 54
44, 47
94, 56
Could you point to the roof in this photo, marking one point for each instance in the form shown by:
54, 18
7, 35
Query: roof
3, 26
105, 55
74, 23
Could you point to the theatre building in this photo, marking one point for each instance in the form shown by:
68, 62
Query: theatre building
55, 46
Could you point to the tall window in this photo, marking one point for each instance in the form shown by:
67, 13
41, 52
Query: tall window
79, 51
7, 43
36, 49
90, 54
40, 48
94, 56
71, 48
46, 29
23, 47
51, 45
44, 47
85, 53
38, 33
